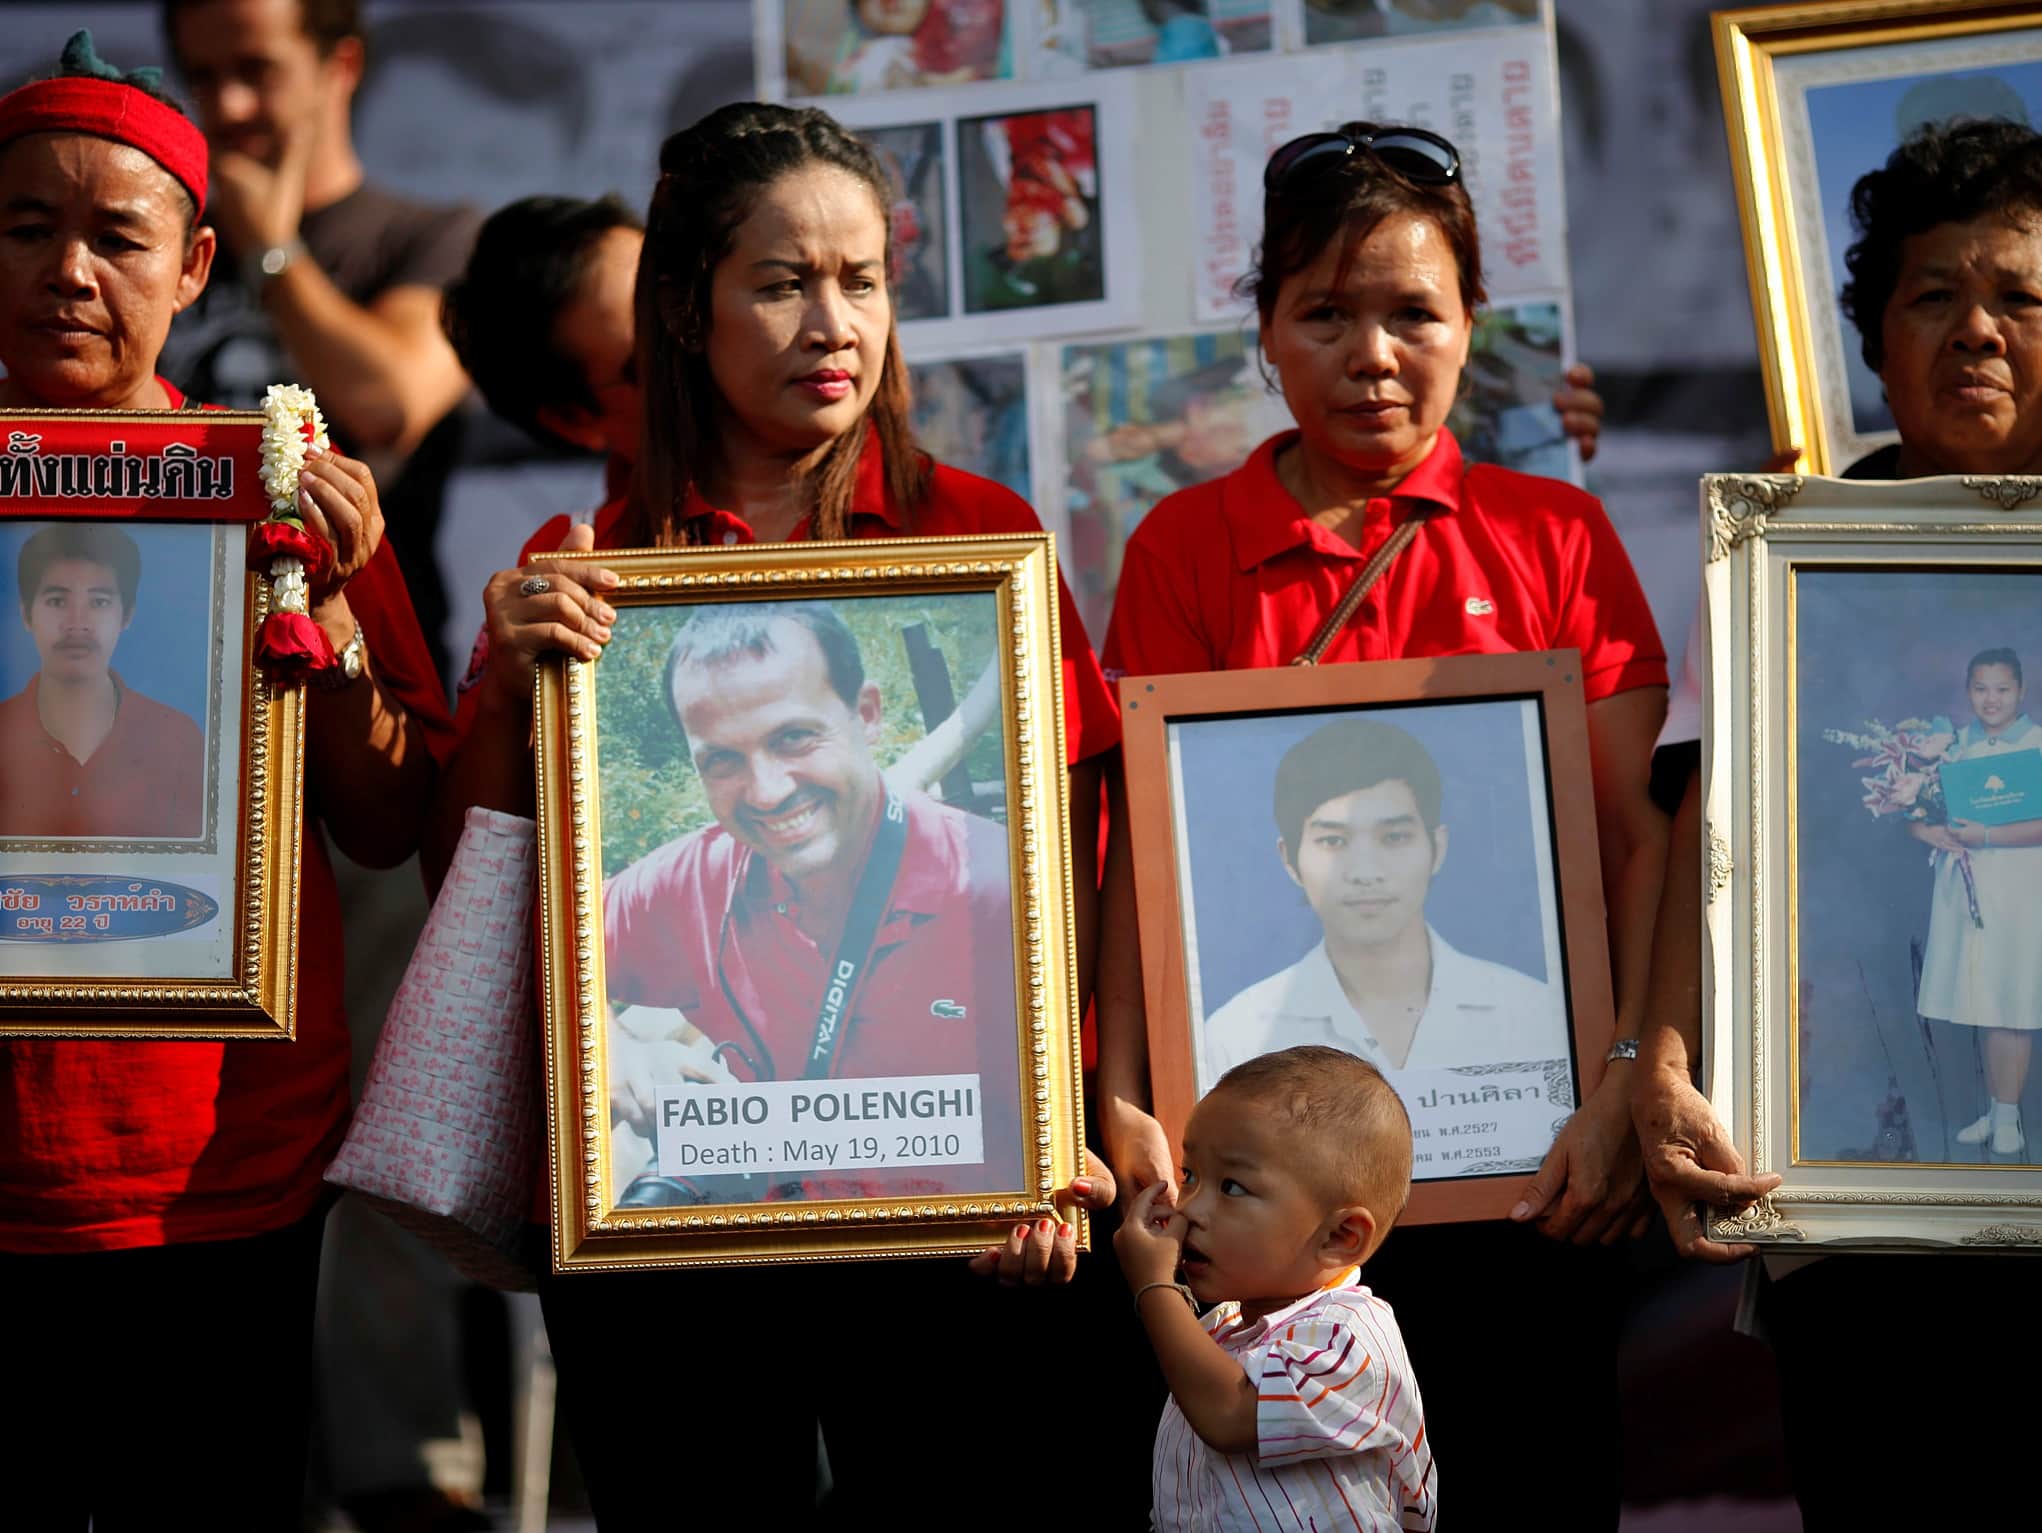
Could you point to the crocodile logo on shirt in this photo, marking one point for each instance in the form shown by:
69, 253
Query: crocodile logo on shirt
949, 1010
1479, 606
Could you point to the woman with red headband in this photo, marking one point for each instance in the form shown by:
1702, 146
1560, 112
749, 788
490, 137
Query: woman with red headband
161, 1203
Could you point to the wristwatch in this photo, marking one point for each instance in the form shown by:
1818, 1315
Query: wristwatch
1623, 1048
265, 266
352, 660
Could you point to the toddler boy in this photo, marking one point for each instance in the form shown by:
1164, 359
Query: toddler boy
1292, 1403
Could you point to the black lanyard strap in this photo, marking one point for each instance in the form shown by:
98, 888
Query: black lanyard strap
854, 949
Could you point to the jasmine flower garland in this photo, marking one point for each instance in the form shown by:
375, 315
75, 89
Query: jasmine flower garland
289, 642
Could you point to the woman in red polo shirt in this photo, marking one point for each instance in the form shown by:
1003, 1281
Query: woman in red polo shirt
1369, 275
160, 1203
776, 408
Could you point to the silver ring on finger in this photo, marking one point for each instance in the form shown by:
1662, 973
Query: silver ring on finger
534, 585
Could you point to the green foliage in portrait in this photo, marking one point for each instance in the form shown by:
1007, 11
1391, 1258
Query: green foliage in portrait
650, 792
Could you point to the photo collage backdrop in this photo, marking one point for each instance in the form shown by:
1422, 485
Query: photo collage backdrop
1078, 194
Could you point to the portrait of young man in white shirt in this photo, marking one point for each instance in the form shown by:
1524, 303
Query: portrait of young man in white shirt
1361, 833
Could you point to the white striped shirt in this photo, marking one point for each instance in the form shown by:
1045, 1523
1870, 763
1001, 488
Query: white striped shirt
1340, 1429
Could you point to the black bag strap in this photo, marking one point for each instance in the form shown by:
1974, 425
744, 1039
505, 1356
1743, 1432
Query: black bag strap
854, 948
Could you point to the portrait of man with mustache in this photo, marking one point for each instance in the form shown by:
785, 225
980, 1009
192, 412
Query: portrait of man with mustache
82, 754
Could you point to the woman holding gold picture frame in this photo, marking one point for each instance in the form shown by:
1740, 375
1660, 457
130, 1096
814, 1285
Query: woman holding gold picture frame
1368, 280
776, 409
1946, 295
161, 1205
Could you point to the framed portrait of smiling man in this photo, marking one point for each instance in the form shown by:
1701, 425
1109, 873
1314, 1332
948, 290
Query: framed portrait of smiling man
148, 771
1397, 859
809, 976
1817, 94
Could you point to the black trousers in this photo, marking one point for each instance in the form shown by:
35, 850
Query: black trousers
1909, 1388
167, 1387
1513, 1338
945, 1401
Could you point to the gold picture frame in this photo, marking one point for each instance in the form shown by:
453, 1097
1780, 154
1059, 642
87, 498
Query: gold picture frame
164, 903
1514, 880
634, 914
1815, 95
1846, 1050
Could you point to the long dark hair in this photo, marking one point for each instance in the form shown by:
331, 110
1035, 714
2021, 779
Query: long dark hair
709, 175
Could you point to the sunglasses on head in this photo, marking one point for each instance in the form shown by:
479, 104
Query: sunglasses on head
1413, 153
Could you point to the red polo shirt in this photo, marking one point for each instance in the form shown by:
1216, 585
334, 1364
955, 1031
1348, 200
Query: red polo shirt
118, 1144
1232, 574
706, 926
957, 505
146, 778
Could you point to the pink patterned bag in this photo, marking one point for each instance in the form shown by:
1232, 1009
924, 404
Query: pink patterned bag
447, 1131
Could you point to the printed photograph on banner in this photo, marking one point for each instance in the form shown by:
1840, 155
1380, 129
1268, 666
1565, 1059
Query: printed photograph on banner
808, 940
1142, 419
972, 413
853, 47
1853, 125
1381, 880
1346, 21
1031, 191
1515, 365
1489, 93
1917, 824
1113, 34
920, 270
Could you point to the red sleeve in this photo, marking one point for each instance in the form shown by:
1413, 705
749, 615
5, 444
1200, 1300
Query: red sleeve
467, 698
1091, 716
654, 917
1605, 614
382, 605
1156, 628
188, 773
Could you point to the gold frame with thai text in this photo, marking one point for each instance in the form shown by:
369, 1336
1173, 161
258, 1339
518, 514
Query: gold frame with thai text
263, 836
1800, 328
1760, 534
589, 1231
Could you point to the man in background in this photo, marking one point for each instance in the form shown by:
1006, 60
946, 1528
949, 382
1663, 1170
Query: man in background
324, 279
327, 280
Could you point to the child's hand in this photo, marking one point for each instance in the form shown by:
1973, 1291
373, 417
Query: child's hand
1047, 1251
1150, 1240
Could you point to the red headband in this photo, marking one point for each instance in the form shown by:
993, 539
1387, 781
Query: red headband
108, 109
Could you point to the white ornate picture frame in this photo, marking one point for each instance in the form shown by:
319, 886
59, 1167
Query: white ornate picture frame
1846, 623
